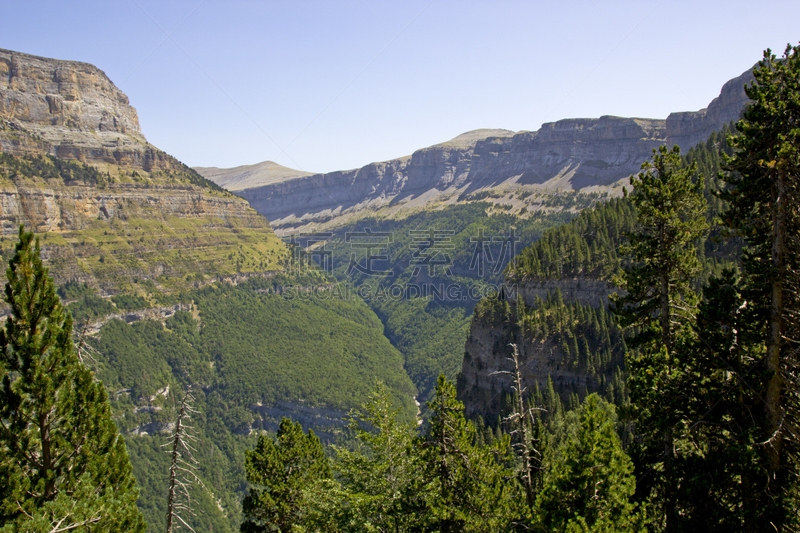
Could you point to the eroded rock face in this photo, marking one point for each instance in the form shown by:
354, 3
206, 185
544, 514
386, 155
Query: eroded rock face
487, 350
570, 154
486, 369
689, 128
47, 92
76, 221
131, 226
70, 110
57, 208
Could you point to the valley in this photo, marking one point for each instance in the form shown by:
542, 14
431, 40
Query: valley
443, 283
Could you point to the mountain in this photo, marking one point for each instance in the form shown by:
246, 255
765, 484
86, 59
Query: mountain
571, 154
555, 306
178, 282
113, 209
70, 110
250, 176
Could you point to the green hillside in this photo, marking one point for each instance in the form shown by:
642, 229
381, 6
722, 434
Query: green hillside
472, 244
243, 347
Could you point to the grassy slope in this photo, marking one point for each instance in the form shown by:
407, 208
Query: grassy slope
141, 240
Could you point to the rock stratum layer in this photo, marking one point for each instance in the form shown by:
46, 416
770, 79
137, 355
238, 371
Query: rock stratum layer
572, 154
113, 210
486, 370
70, 110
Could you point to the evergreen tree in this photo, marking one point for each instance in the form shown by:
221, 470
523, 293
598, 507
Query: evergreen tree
764, 199
671, 211
590, 487
462, 487
659, 305
279, 472
718, 482
377, 476
63, 465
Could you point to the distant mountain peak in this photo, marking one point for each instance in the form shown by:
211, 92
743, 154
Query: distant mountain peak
249, 176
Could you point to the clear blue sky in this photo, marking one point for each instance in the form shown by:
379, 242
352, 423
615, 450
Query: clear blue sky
327, 85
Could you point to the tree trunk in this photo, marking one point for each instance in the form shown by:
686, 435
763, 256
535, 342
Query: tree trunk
774, 391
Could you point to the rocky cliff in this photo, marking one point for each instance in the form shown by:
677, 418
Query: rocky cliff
485, 371
128, 232
70, 110
690, 128
112, 209
572, 154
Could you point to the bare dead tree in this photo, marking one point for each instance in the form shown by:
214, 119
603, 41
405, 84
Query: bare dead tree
86, 352
521, 421
183, 466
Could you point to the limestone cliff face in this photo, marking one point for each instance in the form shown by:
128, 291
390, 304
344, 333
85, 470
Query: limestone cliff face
147, 217
689, 128
487, 349
486, 353
70, 110
54, 207
323, 194
47, 92
127, 231
568, 154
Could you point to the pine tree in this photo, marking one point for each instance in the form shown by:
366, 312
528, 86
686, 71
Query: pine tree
671, 216
63, 465
718, 483
659, 305
462, 487
377, 476
279, 472
590, 487
764, 199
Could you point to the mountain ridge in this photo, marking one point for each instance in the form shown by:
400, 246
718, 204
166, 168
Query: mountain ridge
112, 209
572, 154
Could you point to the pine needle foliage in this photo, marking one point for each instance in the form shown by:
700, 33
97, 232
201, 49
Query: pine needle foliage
63, 465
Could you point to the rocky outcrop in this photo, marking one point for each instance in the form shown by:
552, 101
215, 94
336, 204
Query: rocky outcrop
486, 369
321, 195
57, 208
143, 215
53, 207
126, 231
569, 154
70, 110
690, 128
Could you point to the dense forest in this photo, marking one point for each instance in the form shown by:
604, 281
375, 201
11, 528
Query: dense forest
687, 421
428, 327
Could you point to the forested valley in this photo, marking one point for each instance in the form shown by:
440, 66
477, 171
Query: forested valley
679, 409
